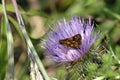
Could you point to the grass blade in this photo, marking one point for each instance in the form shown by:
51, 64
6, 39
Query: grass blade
10, 46
29, 43
3, 51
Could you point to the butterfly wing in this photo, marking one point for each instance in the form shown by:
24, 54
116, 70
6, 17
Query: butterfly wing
73, 42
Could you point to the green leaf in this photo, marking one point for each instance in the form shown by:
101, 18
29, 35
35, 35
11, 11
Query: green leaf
10, 45
8, 8
3, 49
14, 22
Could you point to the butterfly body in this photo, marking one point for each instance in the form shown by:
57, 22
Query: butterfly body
73, 42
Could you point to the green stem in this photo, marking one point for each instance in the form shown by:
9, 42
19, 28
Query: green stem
113, 54
29, 43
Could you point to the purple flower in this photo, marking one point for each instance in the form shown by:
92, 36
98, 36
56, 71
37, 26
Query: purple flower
68, 29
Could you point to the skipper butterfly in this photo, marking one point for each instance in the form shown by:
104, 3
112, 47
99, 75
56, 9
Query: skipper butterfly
73, 42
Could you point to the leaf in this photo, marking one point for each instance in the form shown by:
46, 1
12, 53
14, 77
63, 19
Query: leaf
14, 22
8, 8
3, 49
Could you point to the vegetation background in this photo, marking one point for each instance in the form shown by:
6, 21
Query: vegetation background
38, 14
